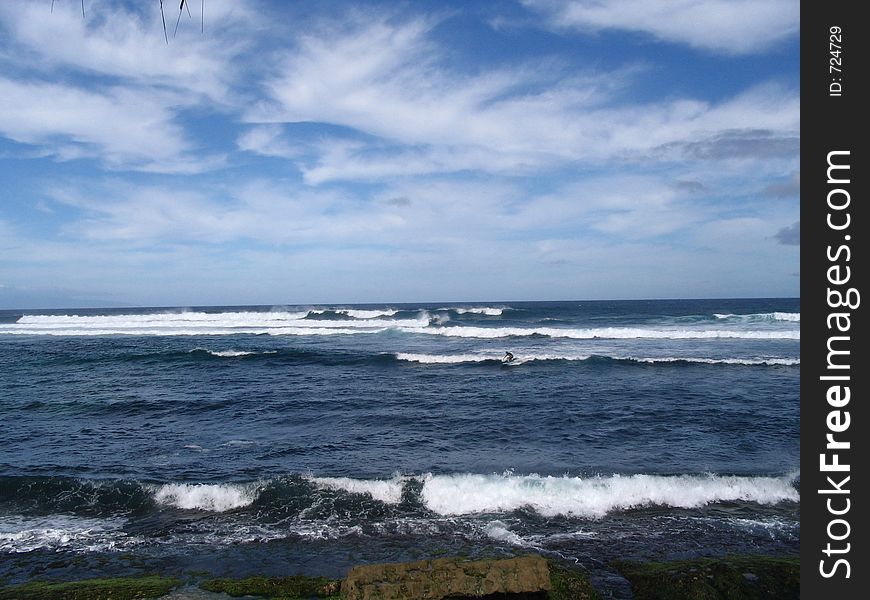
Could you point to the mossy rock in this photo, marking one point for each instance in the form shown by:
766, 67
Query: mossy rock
570, 584
727, 578
124, 588
455, 578
295, 587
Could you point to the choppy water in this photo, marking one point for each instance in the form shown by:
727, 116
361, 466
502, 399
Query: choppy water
311, 438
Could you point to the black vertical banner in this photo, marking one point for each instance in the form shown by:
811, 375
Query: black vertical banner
834, 224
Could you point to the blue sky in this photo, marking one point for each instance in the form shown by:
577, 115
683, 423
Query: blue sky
339, 152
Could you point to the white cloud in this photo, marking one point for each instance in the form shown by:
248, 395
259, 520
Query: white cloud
109, 87
256, 212
728, 26
127, 128
127, 43
385, 80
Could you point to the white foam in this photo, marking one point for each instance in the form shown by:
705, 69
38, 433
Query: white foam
604, 333
202, 496
368, 314
202, 323
783, 316
356, 313
232, 353
444, 358
171, 331
773, 316
388, 491
61, 532
594, 497
722, 361
496, 530
226, 319
482, 310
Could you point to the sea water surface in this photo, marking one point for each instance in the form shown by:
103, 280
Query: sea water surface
311, 438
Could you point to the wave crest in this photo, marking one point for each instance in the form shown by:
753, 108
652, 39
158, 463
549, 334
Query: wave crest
772, 316
203, 496
524, 358
388, 491
596, 496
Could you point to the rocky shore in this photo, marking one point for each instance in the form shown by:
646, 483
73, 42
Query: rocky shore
519, 578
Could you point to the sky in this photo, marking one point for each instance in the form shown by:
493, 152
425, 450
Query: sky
350, 152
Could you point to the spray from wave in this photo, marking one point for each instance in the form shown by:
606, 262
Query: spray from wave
387, 491
595, 497
480, 310
209, 497
757, 317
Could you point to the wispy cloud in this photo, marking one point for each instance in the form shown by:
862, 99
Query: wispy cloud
386, 80
367, 150
108, 86
126, 44
126, 128
727, 26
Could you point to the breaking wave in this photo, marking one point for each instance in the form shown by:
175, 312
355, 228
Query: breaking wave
205, 323
346, 321
595, 497
604, 333
479, 310
773, 316
355, 313
445, 495
232, 353
210, 497
522, 359
388, 491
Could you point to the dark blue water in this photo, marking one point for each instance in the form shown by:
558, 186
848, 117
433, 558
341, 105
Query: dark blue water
200, 436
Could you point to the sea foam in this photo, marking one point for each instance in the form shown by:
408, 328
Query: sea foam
773, 316
605, 333
480, 310
210, 497
219, 323
233, 353
594, 497
388, 491
20, 533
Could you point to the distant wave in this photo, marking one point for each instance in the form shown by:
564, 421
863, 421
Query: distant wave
774, 316
222, 323
342, 321
356, 313
233, 353
522, 359
479, 310
604, 333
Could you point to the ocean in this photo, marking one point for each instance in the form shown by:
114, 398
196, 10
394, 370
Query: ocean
307, 439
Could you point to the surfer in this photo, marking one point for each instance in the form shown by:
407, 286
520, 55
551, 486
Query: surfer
508, 357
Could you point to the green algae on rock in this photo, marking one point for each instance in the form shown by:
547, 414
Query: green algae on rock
122, 588
727, 578
570, 584
296, 586
449, 577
